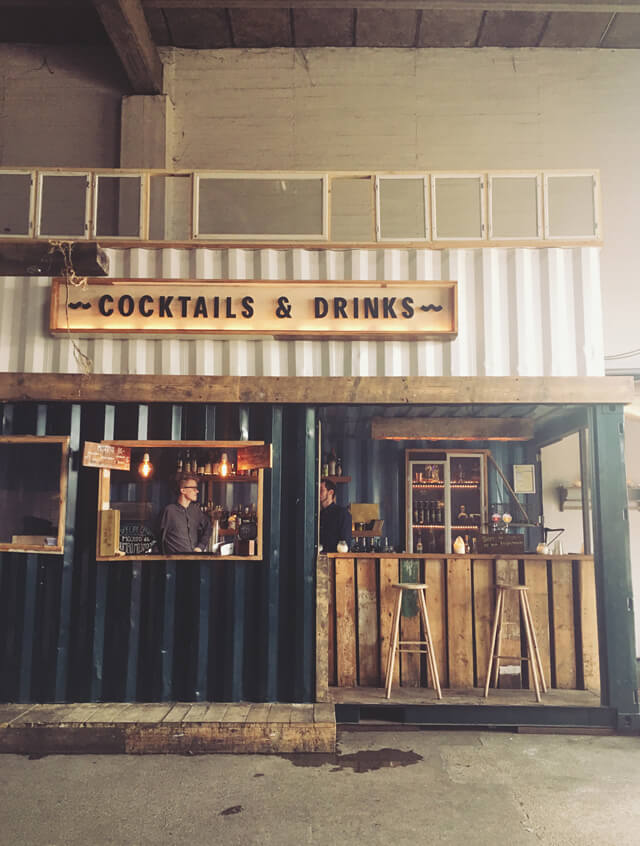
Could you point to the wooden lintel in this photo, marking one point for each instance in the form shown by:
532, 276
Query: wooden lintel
127, 28
452, 428
38, 258
307, 390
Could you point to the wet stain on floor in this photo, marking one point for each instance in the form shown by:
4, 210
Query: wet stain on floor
360, 762
234, 809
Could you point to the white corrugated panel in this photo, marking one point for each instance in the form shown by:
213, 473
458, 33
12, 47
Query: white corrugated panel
522, 312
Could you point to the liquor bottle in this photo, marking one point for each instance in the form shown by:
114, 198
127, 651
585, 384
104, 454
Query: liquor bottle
467, 545
421, 514
187, 462
331, 461
431, 542
460, 474
338, 467
180, 463
416, 513
419, 543
440, 513
463, 517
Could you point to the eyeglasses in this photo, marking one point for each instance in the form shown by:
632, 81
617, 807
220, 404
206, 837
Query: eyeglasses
190, 488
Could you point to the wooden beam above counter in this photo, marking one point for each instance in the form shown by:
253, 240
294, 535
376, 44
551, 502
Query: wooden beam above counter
452, 428
309, 390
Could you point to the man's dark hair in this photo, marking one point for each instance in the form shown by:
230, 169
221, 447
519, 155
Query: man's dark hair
182, 478
329, 485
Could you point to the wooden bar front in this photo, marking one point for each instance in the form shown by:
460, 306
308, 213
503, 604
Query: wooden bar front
460, 603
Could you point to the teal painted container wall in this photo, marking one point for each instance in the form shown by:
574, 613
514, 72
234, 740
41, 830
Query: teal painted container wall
74, 629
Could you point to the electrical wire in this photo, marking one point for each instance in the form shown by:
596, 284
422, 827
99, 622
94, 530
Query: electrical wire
628, 354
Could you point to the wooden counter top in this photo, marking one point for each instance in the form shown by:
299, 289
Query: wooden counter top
441, 556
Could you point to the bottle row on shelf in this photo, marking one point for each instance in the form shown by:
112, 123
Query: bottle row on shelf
332, 465
426, 541
212, 463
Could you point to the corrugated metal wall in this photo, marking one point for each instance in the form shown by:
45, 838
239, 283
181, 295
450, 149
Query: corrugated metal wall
74, 629
522, 312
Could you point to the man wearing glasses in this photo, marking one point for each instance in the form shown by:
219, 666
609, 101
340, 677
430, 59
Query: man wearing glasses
185, 528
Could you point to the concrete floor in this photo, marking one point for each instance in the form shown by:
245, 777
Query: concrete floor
389, 787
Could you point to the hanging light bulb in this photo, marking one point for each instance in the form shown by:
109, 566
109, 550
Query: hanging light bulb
145, 467
224, 465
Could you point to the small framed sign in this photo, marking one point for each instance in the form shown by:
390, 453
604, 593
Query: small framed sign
524, 478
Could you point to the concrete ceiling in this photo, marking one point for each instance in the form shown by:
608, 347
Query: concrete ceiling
137, 27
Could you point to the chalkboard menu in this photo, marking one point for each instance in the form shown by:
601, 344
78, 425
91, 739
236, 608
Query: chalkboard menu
136, 538
499, 543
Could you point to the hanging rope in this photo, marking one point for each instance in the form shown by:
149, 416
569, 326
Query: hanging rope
72, 280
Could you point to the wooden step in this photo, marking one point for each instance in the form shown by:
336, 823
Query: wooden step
162, 728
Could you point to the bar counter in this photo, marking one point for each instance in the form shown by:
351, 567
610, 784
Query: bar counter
355, 607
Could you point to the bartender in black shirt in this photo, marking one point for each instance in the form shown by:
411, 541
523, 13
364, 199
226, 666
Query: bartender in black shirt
184, 527
335, 521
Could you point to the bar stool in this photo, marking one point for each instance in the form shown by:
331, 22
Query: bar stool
425, 647
533, 658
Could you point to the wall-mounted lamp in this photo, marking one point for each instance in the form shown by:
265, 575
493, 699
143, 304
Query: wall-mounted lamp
145, 468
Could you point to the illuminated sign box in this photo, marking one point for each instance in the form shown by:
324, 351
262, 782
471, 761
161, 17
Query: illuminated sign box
285, 309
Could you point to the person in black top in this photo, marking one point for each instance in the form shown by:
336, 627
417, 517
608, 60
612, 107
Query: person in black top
184, 527
335, 521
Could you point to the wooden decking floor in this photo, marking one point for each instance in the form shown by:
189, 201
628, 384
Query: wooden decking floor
178, 727
473, 696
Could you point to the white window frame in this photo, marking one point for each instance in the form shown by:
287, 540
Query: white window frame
143, 223
496, 175
482, 178
426, 199
87, 204
597, 216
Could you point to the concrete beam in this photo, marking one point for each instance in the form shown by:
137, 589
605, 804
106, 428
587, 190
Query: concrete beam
127, 28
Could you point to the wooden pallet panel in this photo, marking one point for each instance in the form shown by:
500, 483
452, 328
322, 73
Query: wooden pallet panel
435, 580
322, 628
535, 577
388, 595
510, 668
564, 636
483, 610
410, 626
460, 634
369, 671
331, 633
345, 622
589, 625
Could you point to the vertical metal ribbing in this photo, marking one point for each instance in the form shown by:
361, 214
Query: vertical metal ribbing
30, 594
204, 592
102, 571
133, 646
6, 425
62, 651
236, 587
270, 576
612, 561
305, 520
169, 603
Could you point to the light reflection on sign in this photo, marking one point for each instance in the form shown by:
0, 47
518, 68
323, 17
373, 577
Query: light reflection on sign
254, 307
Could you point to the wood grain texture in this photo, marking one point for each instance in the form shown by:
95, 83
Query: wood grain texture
435, 579
459, 614
589, 625
345, 622
483, 610
535, 577
388, 577
76, 387
322, 628
510, 675
369, 670
564, 636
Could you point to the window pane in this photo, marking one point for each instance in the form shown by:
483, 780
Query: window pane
402, 208
118, 210
352, 209
63, 205
170, 208
571, 206
29, 493
260, 207
458, 207
514, 207
14, 203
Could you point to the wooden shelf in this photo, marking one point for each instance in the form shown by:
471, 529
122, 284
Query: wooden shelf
211, 478
337, 480
366, 533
